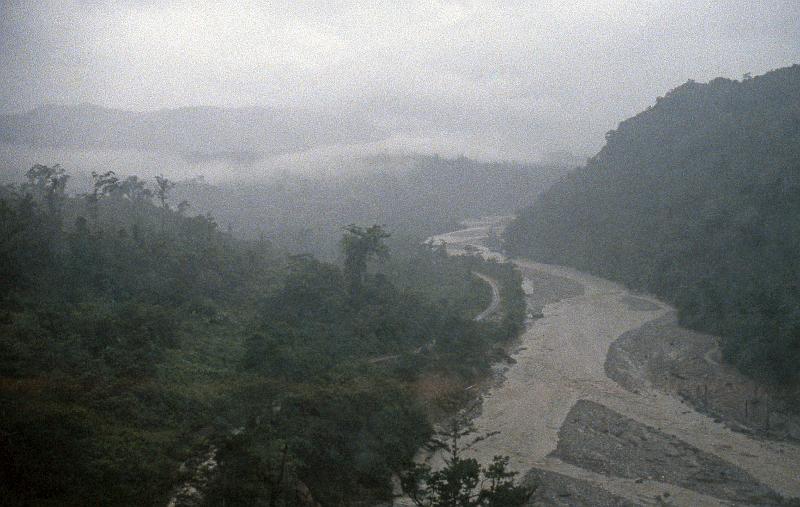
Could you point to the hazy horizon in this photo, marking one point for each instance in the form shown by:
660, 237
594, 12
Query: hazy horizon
491, 80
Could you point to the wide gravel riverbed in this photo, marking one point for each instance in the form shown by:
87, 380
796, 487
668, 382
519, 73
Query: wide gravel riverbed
560, 360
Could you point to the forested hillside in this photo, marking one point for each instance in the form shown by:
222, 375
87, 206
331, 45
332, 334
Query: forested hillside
414, 195
696, 199
134, 337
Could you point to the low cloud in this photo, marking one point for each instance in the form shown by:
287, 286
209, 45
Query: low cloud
495, 79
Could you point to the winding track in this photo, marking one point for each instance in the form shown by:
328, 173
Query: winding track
495, 303
561, 360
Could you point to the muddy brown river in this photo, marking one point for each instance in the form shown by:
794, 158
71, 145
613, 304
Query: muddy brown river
560, 360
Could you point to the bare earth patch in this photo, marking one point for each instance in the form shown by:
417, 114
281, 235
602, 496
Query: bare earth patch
601, 440
686, 364
553, 488
542, 289
639, 304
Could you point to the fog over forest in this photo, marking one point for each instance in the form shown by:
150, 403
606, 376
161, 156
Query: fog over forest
424, 253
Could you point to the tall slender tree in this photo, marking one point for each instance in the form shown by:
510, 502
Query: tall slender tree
103, 184
359, 246
163, 186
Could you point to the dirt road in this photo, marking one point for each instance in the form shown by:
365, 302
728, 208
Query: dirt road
561, 361
494, 305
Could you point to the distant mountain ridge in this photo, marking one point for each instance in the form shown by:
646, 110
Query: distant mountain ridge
696, 199
195, 132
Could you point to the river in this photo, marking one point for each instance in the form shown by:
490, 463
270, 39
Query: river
560, 360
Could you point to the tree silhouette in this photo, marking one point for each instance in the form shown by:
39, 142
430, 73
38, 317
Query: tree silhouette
163, 186
133, 189
359, 246
48, 185
462, 482
104, 184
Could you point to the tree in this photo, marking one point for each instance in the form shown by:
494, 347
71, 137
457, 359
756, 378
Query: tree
258, 469
162, 190
359, 246
48, 185
25, 245
106, 183
462, 482
183, 206
133, 189
164, 185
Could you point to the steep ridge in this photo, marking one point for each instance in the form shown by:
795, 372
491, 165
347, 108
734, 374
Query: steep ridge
696, 200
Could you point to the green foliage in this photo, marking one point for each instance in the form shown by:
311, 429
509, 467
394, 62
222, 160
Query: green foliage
429, 273
48, 185
90, 318
257, 470
696, 199
25, 246
462, 482
343, 436
130, 340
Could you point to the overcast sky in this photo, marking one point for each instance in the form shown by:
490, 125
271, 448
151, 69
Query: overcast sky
501, 79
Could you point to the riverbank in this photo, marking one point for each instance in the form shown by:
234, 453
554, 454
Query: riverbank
687, 364
561, 363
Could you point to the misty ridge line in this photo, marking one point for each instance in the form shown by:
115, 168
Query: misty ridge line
269, 135
199, 133
519, 76
234, 142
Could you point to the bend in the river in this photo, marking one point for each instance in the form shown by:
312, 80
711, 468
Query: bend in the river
561, 360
